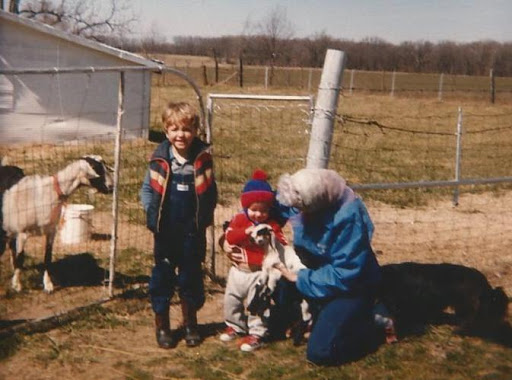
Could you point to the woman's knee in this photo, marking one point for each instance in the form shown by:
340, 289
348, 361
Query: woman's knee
319, 354
348, 345
343, 332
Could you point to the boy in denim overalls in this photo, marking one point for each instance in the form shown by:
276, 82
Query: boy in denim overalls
179, 195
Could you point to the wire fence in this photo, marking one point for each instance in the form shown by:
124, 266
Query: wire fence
412, 171
416, 222
436, 85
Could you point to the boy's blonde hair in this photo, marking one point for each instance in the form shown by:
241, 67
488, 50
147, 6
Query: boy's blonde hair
180, 113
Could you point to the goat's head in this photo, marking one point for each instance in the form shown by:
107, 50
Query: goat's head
98, 174
262, 234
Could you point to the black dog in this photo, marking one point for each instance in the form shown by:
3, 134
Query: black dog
420, 294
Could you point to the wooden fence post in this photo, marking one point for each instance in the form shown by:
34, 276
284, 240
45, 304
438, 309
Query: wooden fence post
205, 76
493, 86
440, 89
241, 72
216, 66
393, 78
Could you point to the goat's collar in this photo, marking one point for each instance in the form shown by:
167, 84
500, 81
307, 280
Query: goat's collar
57, 188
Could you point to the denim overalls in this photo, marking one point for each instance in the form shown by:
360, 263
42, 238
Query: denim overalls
179, 247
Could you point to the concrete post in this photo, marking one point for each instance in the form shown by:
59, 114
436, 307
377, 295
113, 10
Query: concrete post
325, 110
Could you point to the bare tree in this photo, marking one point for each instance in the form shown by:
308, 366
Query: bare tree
153, 41
316, 48
276, 29
91, 19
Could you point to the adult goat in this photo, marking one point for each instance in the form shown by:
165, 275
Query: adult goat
9, 176
34, 205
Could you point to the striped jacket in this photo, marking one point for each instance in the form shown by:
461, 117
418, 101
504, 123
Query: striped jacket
154, 188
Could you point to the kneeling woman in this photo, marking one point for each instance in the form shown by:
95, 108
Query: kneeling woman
333, 231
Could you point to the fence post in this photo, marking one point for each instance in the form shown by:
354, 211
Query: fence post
325, 109
241, 72
310, 78
352, 73
205, 75
216, 66
209, 121
393, 78
266, 77
115, 199
458, 158
493, 87
440, 90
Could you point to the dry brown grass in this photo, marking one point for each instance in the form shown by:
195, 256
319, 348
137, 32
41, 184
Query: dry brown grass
117, 340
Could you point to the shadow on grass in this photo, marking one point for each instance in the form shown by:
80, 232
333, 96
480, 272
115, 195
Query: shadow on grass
83, 270
205, 331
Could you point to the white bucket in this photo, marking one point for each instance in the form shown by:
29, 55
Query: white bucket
76, 223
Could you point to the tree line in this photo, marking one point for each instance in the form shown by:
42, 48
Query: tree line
373, 54
270, 42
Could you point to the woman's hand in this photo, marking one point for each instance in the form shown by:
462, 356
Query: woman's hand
289, 275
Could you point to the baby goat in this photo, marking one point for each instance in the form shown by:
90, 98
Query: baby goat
277, 254
33, 206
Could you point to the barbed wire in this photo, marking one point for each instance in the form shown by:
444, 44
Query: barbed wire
343, 118
347, 118
489, 130
487, 115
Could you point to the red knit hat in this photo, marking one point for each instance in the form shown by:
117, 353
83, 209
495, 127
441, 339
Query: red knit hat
257, 189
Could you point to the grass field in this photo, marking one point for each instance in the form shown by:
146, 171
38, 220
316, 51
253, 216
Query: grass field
378, 138
202, 70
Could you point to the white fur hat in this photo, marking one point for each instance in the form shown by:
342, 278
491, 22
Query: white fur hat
312, 189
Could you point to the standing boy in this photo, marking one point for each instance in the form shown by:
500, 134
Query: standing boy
179, 195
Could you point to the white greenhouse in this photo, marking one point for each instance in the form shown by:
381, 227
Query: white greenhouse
61, 106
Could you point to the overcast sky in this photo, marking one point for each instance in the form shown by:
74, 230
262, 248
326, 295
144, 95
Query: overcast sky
392, 20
